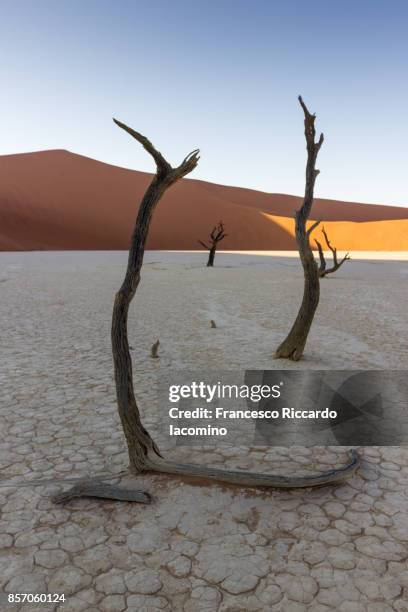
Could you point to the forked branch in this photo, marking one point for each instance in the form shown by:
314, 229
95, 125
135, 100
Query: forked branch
323, 270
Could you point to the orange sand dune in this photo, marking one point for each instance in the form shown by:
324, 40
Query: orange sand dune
351, 236
59, 200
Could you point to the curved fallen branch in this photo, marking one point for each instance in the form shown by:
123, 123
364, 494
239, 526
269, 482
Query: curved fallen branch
255, 479
233, 477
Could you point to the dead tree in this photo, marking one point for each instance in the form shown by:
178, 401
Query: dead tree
216, 236
293, 345
144, 455
323, 270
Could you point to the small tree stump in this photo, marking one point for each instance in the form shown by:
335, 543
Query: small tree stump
155, 349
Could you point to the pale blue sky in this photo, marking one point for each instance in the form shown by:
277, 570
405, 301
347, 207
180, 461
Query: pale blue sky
220, 75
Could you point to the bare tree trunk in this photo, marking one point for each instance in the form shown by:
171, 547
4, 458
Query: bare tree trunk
293, 345
138, 439
211, 256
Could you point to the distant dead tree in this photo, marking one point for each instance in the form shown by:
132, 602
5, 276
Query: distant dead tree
293, 345
323, 270
216, 236
144, 455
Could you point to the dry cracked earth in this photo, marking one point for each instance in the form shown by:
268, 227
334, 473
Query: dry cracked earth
196, 547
